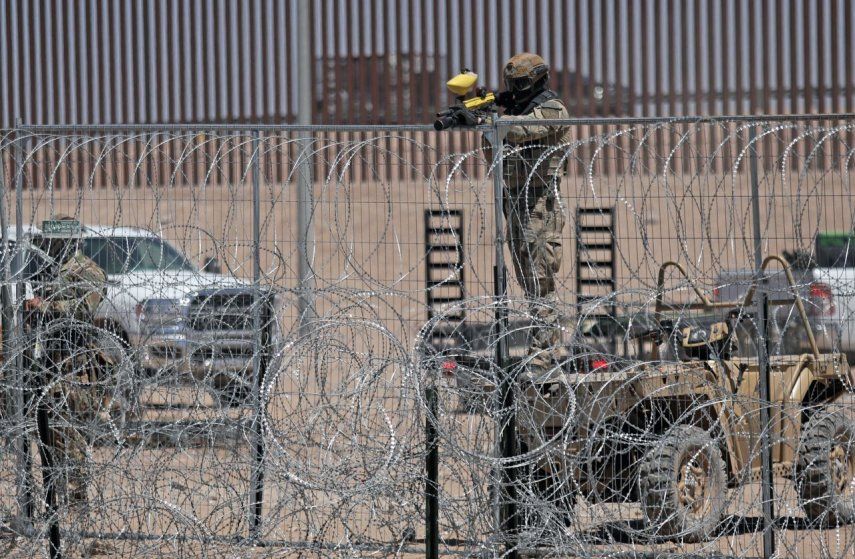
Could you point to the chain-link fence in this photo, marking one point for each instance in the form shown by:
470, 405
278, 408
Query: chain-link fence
315, 341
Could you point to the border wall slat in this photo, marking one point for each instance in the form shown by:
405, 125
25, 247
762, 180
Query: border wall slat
620, 67
646, 40
766, 63
712, 68
577, 37
122, 65
779, 56
835, 72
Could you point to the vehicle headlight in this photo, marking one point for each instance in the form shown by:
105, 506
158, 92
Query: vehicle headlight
162, 313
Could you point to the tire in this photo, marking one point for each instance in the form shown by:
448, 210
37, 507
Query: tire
825, 468
666, 476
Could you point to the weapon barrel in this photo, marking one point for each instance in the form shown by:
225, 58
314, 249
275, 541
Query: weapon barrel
444, 122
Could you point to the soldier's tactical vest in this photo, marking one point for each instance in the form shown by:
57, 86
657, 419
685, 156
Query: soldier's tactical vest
520, 165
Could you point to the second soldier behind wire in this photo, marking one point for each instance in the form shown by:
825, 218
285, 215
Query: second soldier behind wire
68, 292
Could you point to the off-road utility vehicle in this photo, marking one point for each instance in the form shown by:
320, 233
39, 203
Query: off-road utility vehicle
675, 430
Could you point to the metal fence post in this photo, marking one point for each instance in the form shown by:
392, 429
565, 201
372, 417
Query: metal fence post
26, 499
11, 362
257, 488
507, 424
305, 239
30, 388
49, 467
432, 473
6, 302
763, 355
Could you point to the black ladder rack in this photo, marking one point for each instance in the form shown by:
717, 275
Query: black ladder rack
596, 273
444, 266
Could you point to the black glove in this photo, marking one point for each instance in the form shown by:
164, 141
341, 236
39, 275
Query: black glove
465, 117
455, 116
505, 99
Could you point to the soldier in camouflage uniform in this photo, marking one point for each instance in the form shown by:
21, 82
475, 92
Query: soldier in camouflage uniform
69, 291
533, 211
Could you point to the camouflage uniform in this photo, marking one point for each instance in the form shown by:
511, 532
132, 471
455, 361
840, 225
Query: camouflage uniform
534, 214
76, 291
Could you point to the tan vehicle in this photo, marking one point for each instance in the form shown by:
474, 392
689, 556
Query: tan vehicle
675, 431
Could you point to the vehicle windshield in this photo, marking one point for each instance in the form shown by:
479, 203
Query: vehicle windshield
33, 261
119, 255
835, 250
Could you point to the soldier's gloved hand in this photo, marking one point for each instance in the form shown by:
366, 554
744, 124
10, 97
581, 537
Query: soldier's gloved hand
466, 118
505, 99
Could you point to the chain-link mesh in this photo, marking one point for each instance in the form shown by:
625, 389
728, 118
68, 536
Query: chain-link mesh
258, 375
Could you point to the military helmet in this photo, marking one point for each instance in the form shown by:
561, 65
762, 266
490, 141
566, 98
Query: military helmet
525, 73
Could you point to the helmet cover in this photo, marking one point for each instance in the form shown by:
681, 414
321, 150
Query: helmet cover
524, 71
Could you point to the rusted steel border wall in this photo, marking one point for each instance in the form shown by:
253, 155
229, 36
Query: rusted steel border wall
386, 61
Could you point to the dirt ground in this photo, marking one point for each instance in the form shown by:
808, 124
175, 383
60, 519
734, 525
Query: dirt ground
189, 495
368, 237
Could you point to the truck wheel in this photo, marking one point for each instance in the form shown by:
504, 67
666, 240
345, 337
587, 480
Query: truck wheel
825, 468
682, 485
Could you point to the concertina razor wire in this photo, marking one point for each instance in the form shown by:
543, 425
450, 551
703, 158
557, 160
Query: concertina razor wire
263, 362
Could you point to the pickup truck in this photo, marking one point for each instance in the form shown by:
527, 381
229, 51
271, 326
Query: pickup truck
834, 267
788, 334
173, 318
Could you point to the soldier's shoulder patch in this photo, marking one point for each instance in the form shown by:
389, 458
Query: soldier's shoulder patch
553, 104
552, 109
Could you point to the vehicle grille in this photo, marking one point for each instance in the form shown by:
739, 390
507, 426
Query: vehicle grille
221, 311
165, 352
243, 352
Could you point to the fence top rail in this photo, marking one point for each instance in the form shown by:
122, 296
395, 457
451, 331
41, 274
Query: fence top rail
758, 118
260, 127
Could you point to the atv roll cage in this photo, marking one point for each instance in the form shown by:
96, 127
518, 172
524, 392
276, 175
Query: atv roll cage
706, 304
